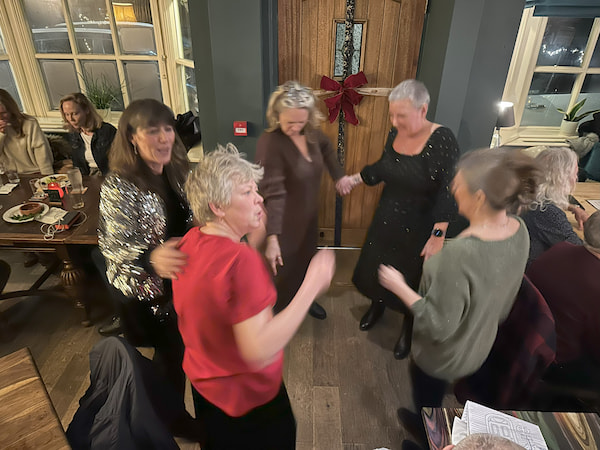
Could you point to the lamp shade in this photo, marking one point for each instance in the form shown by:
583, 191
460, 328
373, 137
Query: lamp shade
506, 115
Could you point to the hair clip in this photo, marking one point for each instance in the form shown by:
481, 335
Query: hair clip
298, 97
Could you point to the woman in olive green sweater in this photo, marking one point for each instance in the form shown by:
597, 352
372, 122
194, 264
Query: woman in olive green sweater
469, 287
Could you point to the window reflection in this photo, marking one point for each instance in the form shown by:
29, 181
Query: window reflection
48, 26
185, 30
135, 28
2, 47
7, 82
564, 41
92, 27
190, 89
595, 61
547, 92
591, 91
143, 80
60, 78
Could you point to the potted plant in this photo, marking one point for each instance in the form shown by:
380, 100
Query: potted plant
569, 123
102, 92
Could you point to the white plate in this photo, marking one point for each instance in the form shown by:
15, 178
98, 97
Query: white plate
7, 216
61, 178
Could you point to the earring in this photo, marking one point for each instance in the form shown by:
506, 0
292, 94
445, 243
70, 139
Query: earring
135, 150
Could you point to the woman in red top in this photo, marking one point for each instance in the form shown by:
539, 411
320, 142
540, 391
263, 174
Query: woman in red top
224, 300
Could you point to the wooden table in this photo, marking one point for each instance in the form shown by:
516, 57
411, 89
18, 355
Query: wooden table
589, 190
27, 417
561, 430
28, 237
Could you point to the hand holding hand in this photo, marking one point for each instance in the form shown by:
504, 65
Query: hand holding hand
432, 246
321, 270
344, 185
273, 253
167, 260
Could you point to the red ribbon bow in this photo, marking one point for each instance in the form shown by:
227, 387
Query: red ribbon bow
346, 96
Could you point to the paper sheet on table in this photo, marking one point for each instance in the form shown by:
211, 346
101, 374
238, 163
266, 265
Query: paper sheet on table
480, 419
7, 188
52, 216
595, 203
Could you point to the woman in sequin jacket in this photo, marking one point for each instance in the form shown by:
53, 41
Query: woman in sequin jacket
143, 214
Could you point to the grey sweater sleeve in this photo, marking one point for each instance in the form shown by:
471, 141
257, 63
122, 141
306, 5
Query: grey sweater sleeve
446, 296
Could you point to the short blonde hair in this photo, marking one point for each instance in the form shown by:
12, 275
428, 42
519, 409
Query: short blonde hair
293, 95
214, 177
557, 166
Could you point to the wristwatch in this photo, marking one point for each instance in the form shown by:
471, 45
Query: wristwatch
437, 232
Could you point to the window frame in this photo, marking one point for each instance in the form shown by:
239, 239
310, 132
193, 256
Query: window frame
520, 74
27, 73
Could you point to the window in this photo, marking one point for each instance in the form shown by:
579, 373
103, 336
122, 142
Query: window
62, 46
555, 64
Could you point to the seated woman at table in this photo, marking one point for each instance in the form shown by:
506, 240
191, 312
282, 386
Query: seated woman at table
546, 219
89, 136
143, 214
224, 301
469, 287
23, 145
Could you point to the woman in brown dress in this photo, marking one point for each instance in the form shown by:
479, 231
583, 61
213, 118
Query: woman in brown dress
293, 151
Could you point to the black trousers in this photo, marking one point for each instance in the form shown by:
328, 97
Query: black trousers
143, 329
427, 390
268, 427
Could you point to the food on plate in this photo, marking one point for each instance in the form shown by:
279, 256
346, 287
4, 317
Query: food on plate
30, 208
28, 211
61, 179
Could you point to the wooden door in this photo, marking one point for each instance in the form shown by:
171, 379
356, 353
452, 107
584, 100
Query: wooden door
390, 50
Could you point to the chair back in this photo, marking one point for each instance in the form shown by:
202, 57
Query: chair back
524, 348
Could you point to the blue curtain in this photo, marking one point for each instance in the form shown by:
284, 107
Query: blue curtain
565, 8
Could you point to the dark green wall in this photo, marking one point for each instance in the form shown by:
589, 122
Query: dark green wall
235, 55
464, 61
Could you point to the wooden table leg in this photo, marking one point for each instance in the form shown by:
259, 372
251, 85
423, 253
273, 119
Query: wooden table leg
72, 278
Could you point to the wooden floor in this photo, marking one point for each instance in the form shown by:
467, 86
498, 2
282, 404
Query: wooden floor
344, 384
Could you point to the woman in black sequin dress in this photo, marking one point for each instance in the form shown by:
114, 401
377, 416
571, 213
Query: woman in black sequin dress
416, 204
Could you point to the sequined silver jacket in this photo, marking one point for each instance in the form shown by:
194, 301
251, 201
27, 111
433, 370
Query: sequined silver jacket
132, 222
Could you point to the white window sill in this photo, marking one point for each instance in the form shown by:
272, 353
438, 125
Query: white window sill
534, 136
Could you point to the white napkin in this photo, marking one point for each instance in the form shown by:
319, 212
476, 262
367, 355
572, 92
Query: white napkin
52, 216
7, 188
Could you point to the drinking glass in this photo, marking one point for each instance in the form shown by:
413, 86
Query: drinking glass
13, 176
76, 191
34, 186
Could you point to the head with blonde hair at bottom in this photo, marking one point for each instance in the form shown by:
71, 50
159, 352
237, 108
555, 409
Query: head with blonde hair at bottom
481, 441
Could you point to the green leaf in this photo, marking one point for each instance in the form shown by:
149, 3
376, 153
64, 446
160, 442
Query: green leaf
585, 114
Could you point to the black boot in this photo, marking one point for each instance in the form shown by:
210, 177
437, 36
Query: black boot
402, 347
372, 315
317, 311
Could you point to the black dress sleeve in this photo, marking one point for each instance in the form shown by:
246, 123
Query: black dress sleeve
444, 156
371, 174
